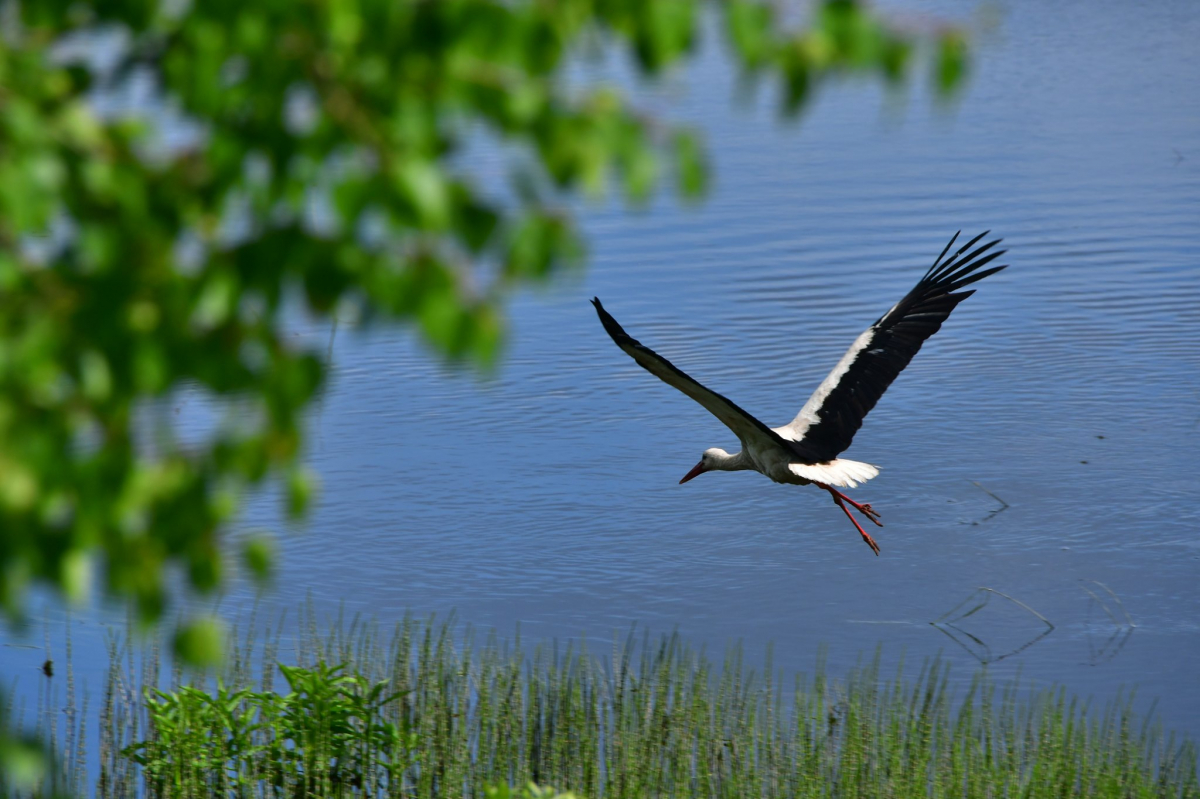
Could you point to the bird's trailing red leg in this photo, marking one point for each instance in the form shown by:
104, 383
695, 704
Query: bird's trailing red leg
866, 510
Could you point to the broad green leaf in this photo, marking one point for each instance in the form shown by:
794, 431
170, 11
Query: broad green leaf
95, 376
750, 23
22, 761
691, 164
258, 554
301, 486
77, 575
639, 166
951, 62
428, 191
200, 642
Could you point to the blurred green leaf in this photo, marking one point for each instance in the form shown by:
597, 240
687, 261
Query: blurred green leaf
95, 376
77, 575
750, 23
691, 163
258, 554
895, 58
797, 77
640, 172
301, 486
200, 643
22, 761
427, 191
951, 62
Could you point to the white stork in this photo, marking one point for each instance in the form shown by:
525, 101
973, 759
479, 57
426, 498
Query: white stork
805, 450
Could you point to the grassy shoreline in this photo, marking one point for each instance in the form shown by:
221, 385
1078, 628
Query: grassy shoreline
427, 710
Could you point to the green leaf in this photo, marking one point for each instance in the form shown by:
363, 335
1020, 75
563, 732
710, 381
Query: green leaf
95, 376
667, 32
301, 486
895, 58
750, 24
427, 190
150, 367
444, 320
640, 171
19, 488
258, 554
217, 300
797, 79
22, 762
951, 64
487, 334
77, 574
477, 221
200, 643
691, 164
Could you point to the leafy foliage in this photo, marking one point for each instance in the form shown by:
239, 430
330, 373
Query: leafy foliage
324, 166
326, 737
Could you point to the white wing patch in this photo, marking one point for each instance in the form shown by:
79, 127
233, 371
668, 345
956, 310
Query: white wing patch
795, 430
838, 472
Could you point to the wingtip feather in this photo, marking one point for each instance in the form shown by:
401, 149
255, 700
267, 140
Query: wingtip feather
937, 261
962, 264
611, 325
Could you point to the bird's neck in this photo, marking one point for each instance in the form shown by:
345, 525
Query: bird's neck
726, 462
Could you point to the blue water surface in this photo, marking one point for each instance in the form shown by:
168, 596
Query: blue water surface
1043, 445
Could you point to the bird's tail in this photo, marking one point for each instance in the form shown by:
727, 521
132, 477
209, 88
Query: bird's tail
839, 472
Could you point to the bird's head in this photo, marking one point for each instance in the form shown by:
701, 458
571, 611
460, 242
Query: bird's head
708, 461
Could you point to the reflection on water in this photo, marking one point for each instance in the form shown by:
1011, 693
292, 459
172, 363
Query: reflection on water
990, 643
1001, 505
1069, 385
1109, 634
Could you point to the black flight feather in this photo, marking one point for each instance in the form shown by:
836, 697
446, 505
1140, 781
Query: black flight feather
744, 425
895, 338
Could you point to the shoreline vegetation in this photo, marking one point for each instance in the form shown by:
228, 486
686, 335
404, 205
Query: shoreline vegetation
431, 710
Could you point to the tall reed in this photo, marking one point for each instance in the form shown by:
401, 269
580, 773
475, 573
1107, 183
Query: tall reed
652, 717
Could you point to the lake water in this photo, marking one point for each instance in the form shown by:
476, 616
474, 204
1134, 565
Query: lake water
1068, 387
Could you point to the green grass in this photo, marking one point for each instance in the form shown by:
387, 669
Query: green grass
426, 712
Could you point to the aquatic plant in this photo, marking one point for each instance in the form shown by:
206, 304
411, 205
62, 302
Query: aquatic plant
430, 712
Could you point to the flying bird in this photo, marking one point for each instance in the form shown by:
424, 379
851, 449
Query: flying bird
805, 451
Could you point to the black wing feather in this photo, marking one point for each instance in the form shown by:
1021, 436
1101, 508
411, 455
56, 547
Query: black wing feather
892, 342
743, 424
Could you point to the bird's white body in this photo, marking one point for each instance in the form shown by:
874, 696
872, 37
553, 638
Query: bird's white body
805, 450
775, 464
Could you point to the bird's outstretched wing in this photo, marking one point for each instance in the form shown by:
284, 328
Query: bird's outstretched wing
747, 428
828, 421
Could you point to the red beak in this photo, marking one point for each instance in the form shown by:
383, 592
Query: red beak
697, 469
